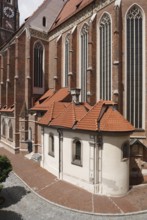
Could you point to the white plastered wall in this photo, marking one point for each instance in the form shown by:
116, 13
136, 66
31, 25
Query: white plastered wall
115, 170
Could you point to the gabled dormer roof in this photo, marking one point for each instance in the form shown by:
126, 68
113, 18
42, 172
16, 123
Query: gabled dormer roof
104, 117
49, 10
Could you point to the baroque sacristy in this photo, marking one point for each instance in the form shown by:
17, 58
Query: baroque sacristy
73, 90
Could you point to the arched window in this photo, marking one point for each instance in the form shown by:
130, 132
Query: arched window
9, 1
77, 152
38, 65
134, 71
67, 48
10, 131
51, 148
44, 21
84, 62
3, 128
105, 58
30, 134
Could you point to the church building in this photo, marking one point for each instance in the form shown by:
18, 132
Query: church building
73, 90
9, 19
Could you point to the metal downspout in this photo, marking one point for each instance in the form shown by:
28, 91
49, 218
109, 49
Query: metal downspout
60, 168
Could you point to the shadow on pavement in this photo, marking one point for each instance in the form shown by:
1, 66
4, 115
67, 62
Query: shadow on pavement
9, 215
12, 195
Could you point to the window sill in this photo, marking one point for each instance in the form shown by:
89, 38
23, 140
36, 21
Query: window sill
51, 154
77, 163
125, 159
10, 139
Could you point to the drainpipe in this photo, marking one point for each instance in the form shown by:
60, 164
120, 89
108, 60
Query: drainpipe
42, 144
60, 153
99, 144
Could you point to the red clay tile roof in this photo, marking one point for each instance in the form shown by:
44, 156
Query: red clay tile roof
54, 110
109, 119
61, 95
7, 109
46, 95
71, 7
70, 116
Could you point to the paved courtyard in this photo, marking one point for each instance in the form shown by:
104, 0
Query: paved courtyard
23, 202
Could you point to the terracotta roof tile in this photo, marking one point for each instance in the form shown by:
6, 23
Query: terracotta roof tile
61, 95
71, 7
110, 119
70, 116
7, 109
53, 111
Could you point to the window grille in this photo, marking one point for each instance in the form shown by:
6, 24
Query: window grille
105, 58
134, 75
38, 65
67, 48
84, 62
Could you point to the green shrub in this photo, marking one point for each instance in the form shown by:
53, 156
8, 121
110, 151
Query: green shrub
5, 168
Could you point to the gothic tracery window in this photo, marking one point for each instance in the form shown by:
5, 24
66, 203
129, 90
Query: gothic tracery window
67, 48
38, 65
105, 58
84, 62
3, 128
134, 74
10, 131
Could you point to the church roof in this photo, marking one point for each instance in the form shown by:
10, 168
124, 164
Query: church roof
68, 118
104, 117
53, 111
50, 97
48, 9
70, 8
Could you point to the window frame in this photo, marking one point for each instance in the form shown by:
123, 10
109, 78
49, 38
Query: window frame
84, 57
51, 145
3, 132
44, 21
125, 149
10, 131
66, 59
75, 154
38, 85
127, 112
103, 92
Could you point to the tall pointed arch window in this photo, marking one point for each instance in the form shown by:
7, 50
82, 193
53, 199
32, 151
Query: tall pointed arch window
105, 58
134, 71
10, 131
38, 65
84, 62
3, 128
67, 49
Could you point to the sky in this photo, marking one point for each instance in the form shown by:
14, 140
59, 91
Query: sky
27, 7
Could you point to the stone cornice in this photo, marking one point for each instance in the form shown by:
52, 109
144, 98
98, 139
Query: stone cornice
39, 34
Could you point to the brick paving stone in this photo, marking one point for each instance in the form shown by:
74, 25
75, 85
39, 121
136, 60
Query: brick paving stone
65, 194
